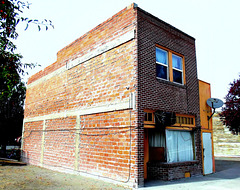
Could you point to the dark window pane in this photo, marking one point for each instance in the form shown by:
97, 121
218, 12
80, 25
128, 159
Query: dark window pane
149, 116
177, 76
161, 71
145, 116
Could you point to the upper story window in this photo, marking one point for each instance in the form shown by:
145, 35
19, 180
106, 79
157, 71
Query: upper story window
169, 66
177, 69
162, 64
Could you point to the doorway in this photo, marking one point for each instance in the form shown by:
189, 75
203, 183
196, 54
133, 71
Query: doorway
207, 153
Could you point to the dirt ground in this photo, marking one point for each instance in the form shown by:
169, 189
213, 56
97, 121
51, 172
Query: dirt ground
33, 177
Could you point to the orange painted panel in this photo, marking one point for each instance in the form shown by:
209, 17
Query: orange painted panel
205, 110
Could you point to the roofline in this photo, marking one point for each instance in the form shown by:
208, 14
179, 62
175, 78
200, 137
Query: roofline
204, 81
171, 26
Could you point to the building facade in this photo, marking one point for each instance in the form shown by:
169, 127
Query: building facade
121, 103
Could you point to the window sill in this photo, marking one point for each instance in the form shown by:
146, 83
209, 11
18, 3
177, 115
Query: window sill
148, 126
171, 83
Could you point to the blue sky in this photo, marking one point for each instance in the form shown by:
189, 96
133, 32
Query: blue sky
215, 24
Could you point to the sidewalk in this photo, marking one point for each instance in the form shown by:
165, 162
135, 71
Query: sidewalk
227, 176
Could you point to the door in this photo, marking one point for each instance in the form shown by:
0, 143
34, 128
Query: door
207, 153
146, 152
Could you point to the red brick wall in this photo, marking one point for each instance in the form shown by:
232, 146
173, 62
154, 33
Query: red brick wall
117, 25
46, 97
107, 145
102, 144
172, 171
102, 79
33, 141
59, 142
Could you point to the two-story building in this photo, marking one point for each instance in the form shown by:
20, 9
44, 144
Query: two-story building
121, 103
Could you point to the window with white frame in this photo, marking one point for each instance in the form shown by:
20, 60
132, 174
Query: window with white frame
177, 66
169, 65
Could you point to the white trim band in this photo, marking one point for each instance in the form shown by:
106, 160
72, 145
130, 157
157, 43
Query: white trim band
102, 49
86, 111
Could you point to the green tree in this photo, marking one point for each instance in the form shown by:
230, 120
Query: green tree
230, 115
12, 89
11, 102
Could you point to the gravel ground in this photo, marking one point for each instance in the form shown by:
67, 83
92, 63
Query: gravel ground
33, 177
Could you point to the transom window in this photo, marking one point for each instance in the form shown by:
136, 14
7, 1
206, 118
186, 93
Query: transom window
149, 121
169, 65
149, 117
185, 120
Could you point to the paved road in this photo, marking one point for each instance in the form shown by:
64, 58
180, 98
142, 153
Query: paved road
227, 176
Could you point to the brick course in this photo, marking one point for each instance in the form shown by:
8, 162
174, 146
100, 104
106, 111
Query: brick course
32, 141
172, 171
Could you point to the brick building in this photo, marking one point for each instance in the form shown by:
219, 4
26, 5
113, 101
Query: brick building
117, 104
